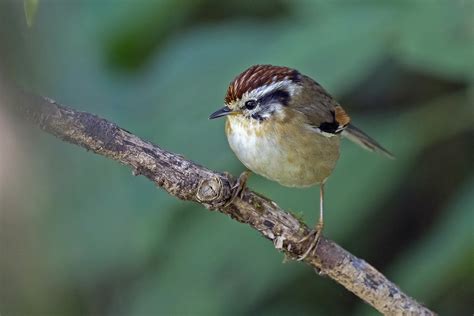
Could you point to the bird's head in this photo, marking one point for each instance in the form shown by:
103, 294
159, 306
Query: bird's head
260, 92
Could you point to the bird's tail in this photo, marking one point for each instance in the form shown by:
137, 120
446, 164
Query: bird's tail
359, 137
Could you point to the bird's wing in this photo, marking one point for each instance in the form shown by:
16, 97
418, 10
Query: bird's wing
322, 112
327, 117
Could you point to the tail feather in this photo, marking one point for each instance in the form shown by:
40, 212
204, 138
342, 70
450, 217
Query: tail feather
365, 141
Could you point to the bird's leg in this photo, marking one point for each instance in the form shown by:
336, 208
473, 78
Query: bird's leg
239, 186
315, 233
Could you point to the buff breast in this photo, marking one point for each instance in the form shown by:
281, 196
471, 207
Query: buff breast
270, 149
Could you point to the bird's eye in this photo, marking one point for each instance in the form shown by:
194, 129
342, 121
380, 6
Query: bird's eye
250, 104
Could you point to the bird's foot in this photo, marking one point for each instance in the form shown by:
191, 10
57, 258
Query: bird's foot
314, 235
239, 186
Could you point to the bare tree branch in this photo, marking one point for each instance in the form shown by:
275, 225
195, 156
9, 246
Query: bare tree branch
187, 180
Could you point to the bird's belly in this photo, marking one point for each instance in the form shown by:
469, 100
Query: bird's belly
292, 158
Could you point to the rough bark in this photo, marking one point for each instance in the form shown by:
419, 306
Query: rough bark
187, 180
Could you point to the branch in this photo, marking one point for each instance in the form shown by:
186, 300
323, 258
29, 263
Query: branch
189, 181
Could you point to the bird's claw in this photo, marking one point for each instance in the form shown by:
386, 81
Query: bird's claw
239, 186
314, 235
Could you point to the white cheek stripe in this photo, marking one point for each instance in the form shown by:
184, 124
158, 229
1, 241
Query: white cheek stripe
319, 131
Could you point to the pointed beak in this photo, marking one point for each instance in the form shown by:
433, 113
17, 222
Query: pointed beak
221, 112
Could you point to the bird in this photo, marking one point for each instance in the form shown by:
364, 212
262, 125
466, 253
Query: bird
284, 126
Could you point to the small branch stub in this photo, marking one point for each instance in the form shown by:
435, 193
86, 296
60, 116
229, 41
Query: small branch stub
209, 190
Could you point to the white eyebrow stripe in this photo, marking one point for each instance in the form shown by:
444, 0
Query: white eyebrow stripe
264, 90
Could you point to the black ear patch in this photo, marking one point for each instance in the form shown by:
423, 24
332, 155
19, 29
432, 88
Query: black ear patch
258, 117
280, 95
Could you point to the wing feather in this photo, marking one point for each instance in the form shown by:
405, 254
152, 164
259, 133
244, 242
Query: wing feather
321, 109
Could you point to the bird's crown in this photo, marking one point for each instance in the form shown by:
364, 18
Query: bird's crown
259, 76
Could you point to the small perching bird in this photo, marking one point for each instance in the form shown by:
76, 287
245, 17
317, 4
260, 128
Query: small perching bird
284, 126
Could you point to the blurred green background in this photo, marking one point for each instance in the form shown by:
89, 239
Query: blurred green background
80, 236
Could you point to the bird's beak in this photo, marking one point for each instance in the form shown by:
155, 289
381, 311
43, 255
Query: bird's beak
221, 112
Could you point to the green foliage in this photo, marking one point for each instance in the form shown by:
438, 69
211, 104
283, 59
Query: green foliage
31, 8
439, 38
108, 243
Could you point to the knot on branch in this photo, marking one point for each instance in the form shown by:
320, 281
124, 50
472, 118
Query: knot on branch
212, 191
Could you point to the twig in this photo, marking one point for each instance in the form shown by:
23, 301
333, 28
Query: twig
187, 180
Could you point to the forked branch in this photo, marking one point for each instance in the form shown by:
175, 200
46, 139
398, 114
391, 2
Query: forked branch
187, 180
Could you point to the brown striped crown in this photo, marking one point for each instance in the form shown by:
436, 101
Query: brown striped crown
257, 76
